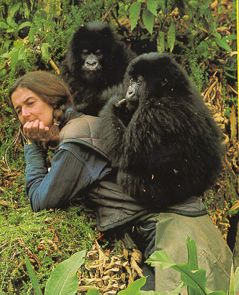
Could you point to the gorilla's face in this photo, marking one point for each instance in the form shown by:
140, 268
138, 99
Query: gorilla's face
135, 90
91, 62
160, 74
151, 72
91, 47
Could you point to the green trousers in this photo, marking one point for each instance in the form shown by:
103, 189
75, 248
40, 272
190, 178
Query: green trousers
169, 232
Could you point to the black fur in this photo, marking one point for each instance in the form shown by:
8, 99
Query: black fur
87, 90
169, 148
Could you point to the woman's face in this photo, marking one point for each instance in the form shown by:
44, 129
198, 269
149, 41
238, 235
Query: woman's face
30, 107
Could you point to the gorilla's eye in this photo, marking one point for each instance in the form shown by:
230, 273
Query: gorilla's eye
140, 79
98, 52
85, 51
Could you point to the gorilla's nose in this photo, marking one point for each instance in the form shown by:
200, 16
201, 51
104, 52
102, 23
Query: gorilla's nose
130, 93
91, 63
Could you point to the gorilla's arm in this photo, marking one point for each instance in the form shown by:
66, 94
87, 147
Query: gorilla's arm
112, 128
145, 154
135, 147
116, 116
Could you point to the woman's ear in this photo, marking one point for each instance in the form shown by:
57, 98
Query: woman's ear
58, 115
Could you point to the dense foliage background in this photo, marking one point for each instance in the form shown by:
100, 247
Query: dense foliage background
34, 35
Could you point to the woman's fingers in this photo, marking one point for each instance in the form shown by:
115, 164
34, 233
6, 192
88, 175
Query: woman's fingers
43, 132
36, 131
30, 129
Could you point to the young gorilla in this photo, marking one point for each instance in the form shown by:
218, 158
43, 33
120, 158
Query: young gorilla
96, 59
160, 136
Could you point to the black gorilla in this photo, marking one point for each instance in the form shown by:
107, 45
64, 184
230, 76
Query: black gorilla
96, 59
159, 134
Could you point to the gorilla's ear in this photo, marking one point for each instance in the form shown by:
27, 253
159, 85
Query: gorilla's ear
80, 33
173, 74
69, 60
107, 34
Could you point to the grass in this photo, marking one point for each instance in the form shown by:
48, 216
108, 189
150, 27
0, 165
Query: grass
46, 237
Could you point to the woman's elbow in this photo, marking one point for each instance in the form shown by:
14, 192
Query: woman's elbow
37, 205
37, 202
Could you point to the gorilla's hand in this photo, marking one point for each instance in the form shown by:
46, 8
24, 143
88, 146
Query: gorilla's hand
126, 107
124, 111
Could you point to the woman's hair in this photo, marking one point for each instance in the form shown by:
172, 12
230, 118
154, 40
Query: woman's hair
49, 88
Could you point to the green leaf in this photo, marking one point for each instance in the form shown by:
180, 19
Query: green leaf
160, 42
148, 19
171, 37
12, 24
232, 37
192, 254
237, 280
217, 293
192, 261
152, 6
63, 279
5, 55
17, 53
134, 287
11, 12
134, 12
3, 25
195, 279
21, 53
160, 258
13, 9
177, 290
193, 3
161, 4
202, 49
45, 52
153, 293
172, 292
33, 278
93, 292
223, 44
25, 24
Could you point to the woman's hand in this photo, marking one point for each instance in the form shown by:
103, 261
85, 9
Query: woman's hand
37, 131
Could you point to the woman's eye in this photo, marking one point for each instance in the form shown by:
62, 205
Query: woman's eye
29, 103
18, 111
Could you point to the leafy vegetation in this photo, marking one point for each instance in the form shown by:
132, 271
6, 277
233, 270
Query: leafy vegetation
34, 35
46, 238
63, 279
199, 35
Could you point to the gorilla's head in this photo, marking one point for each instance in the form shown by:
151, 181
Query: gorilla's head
90, 50
158, 73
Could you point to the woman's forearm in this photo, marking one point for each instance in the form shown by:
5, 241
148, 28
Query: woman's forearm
72, 170
35, 171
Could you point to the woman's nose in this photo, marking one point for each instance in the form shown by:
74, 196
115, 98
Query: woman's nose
25, 112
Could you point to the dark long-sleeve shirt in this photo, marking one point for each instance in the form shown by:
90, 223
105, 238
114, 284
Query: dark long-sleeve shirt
74, 167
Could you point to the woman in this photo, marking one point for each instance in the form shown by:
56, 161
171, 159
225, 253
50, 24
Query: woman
80, 167
41, 102
43, 105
